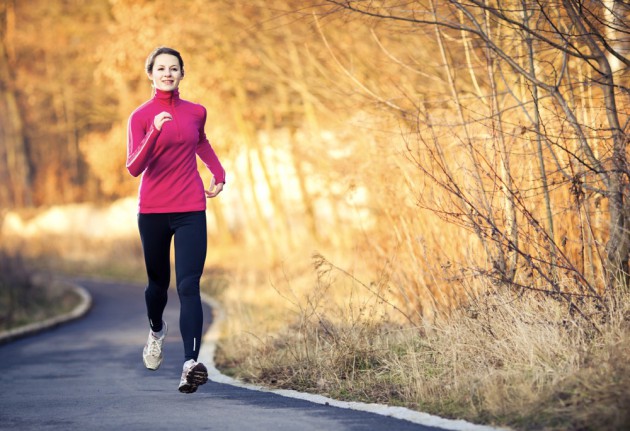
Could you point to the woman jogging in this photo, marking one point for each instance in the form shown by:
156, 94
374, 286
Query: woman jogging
165, 136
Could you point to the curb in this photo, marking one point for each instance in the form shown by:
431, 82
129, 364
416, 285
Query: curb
206, 355
34, 328
208, 349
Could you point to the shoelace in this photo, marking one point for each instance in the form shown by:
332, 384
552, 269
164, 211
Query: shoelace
154, 347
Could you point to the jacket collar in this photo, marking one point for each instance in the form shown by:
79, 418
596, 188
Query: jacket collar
170, 98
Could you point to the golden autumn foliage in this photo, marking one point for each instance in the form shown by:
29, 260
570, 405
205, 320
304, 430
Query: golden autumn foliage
439, 159
351, 125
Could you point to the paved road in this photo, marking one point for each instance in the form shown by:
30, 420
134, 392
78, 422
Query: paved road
88, 375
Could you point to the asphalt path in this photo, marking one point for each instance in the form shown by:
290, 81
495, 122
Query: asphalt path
88, 375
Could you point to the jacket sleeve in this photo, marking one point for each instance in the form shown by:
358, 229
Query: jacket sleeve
140, 144
207, 155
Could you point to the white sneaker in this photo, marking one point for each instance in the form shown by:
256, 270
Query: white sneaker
194, 375
152, 353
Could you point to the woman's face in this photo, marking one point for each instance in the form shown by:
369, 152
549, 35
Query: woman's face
166, 72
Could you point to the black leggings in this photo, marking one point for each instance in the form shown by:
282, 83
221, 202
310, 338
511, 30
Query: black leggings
156, 232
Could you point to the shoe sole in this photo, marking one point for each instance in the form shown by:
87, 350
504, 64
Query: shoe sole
196, 377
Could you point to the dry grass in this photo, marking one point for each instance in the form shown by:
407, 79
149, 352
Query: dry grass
26, 298
508, 359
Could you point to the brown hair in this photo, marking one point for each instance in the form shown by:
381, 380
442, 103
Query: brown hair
162, 50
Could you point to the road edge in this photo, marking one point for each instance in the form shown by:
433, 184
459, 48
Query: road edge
208, 349
207, 353
84, 306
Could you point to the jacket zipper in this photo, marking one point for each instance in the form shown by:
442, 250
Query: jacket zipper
179, 134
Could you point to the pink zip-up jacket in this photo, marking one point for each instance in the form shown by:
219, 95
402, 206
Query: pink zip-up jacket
167, 158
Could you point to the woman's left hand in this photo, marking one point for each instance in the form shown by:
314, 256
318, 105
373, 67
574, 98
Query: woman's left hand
214, 190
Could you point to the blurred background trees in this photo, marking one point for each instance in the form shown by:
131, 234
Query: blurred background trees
443, 143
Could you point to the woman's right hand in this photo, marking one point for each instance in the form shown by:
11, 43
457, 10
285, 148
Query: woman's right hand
161, 118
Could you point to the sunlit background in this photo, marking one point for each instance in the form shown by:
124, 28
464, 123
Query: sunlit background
405, 153
382, 172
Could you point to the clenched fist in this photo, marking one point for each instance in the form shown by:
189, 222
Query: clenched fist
161, 118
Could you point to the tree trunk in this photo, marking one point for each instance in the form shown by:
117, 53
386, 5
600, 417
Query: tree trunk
618, 245
12, 137
539, 144
493, 248
615, 11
